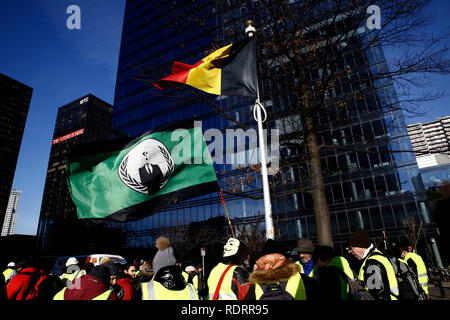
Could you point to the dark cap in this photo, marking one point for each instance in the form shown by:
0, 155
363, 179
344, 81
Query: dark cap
272, 246
304, 246
359, 239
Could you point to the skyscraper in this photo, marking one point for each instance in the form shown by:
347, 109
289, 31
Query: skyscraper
431, 145
84, 120
9, 224
15, 99
375, 190
430, 137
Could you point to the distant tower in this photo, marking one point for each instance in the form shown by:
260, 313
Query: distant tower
430, 137
9, 224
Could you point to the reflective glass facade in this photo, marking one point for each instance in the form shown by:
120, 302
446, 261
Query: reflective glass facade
374, 190
15, 98
84, 120
435, 176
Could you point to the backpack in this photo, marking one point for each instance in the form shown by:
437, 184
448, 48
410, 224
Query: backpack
275, 291
408, 285
34, 283
355, 286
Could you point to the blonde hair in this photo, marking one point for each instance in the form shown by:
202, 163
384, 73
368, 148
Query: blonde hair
104, 260
147, 267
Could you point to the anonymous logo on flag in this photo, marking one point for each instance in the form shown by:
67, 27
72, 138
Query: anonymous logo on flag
147, 167
130, 179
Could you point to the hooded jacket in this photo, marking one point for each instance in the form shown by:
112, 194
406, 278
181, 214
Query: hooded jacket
126, 283
18, 288
275, 268
269, 276
91, 285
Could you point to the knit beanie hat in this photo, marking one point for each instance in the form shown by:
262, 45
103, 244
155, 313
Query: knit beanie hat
272, 246
162, 243
234, 252
163, 258
359, 239
305, 246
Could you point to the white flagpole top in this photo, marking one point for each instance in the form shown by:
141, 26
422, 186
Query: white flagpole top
250, 29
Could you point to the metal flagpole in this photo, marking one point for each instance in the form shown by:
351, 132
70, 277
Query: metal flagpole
270, 234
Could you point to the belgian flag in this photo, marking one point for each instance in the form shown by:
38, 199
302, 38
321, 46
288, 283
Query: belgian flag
228, 71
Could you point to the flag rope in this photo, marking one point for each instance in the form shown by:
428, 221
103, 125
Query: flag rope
226, 211
259, 105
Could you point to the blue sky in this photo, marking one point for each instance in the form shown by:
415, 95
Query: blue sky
62, 65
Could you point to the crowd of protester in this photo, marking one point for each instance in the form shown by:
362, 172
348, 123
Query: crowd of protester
307, 272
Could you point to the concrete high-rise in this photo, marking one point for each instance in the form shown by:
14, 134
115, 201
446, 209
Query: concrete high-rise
15, 98
9, 224
430, 137
431, 145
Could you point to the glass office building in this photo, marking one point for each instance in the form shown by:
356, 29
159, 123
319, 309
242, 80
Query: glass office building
15, 98
85, 120
435, 176
374, 191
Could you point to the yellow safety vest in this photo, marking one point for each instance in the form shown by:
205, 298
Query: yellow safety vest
225, 293
195, 281
153, 290
9, 274
104, 296
295, 287
311, 274
72, 276
393, 284
342, 264
185, 276
422, 274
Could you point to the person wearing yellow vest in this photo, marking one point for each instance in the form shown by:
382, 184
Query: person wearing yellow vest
415, 262
73, 271
191, 275
228, 280
332, 282
274, 271
168, 284
94, 286
10, 272
304, 251
376, 270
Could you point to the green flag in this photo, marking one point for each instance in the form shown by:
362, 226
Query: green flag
126, 180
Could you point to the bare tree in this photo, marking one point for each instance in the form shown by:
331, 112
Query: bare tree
319, 60
253, 236
412, 231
